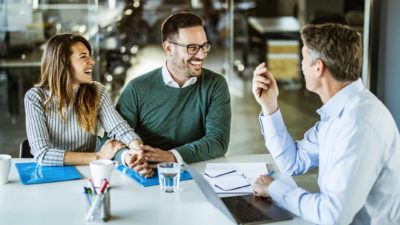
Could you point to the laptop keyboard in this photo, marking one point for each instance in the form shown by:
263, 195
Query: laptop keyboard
244, 211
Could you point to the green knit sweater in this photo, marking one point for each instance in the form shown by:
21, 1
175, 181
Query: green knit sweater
194, 120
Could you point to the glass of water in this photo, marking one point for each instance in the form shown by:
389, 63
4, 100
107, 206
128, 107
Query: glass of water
169, 175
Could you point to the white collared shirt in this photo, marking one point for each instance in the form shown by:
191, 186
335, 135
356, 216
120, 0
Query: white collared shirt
169, 81
356, 146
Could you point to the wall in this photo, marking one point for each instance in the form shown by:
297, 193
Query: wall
388, 89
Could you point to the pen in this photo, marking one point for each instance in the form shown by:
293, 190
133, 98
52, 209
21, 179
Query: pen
86, 192
269, 169
91, 186
103, 186
98, 200
90, 193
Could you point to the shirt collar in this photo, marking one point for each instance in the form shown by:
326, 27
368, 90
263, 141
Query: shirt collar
167, 78
336, 104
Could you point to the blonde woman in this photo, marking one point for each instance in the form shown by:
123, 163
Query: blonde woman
65, 108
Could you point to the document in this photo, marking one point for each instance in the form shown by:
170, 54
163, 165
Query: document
219, 169
240, 181
232, 182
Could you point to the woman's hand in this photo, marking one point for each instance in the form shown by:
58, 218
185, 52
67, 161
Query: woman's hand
135, 144
109, 149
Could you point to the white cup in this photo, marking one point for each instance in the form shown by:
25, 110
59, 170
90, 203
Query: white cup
5, 164
102, 169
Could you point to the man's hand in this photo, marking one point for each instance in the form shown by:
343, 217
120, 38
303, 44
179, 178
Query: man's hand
261, 185
135, 160
265, 89
157, 155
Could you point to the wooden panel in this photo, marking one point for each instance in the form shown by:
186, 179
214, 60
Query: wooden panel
283, 59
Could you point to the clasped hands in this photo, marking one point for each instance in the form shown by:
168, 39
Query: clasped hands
144, 158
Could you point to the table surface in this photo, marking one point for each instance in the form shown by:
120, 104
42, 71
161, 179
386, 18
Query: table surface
64, 202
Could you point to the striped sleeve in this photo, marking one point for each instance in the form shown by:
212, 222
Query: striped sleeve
115, 126
37, 132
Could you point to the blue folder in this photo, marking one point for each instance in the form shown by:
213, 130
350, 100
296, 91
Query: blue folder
151, 181
32, 173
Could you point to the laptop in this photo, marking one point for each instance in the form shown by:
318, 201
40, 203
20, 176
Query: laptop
245, 209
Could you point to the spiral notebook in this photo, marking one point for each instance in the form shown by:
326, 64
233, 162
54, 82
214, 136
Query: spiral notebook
32, 173
151, 181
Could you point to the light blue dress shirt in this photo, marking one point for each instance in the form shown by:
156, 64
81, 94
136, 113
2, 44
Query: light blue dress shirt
356, 146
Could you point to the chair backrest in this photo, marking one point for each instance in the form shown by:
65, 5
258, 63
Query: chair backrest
25, 149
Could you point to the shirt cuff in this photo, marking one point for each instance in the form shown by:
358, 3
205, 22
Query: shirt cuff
52, 157
123, 157
177, 156
128, 137
278, 190
286, 194
273, 123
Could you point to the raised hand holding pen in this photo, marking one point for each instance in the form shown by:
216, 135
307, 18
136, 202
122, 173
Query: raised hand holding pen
265, 89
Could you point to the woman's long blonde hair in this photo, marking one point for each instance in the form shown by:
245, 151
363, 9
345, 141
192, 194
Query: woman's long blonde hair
57, 79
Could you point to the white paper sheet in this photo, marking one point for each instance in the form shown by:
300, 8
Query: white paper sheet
246, 173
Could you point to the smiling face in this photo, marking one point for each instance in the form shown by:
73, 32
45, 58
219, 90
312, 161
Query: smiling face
81, 64
180, 63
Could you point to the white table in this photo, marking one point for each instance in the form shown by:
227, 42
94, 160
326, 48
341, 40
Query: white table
64, 202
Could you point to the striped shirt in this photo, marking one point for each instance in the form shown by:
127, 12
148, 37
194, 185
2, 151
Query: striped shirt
50, 136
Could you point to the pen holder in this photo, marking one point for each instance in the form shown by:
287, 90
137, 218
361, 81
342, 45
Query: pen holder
98, 209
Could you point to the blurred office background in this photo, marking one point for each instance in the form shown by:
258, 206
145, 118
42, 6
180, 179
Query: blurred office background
125, 35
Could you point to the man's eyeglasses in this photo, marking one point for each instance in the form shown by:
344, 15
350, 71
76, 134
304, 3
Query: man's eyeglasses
192, 49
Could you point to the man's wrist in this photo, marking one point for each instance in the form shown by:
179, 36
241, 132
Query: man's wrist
176, 156
173, 158
269, 110
123, 157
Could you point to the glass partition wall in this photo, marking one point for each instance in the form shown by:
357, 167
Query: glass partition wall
126, 40
118, 30
26, 25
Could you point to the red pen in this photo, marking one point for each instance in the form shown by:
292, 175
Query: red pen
103, 186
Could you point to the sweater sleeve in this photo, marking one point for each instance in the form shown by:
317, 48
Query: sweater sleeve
218, 123
37, 132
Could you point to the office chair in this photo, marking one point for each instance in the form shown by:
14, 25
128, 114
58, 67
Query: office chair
25, 149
